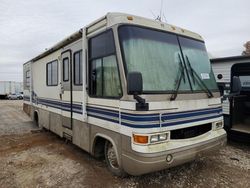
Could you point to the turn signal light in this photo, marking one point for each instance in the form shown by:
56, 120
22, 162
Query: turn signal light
140, 139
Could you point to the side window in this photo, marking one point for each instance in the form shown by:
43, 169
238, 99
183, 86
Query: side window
52, 73
66, 69
27, 78
78, 68
104, 80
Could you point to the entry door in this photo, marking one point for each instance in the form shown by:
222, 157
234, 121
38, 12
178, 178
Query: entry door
66, 89
240, 116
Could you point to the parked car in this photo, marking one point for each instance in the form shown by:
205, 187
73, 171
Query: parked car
20, 96
13, 96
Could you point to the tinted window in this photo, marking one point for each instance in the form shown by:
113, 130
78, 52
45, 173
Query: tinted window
52, 73
102, 45
104, 78
65, 69
78, 68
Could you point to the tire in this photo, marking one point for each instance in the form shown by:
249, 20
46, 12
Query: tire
112, 160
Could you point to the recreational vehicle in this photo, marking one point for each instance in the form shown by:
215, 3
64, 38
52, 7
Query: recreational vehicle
139, 92
236, 108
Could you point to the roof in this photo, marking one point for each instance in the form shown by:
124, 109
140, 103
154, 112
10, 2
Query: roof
230, 58
75, 36
115, 18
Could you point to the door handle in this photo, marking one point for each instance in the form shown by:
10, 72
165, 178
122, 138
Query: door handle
62, 89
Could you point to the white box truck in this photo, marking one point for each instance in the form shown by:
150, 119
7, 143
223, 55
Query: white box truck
9, 87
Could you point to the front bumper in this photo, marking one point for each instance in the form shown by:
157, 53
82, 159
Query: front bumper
138, 164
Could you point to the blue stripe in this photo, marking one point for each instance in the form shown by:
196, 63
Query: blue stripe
183, 112
64, 104
168, 124
140, 118
59, 106
137, 120
102, 109
103, 118
112, 114
190, 121
140, 115
190, 114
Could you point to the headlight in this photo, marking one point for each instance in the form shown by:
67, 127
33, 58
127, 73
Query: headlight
159, 137
154, 138
163, 136
144, 139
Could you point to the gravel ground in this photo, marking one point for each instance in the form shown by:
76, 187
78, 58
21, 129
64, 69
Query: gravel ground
41, 159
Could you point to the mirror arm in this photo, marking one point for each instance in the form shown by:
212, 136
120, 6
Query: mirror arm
141, 105
139, 99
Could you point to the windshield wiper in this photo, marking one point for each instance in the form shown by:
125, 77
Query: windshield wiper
194, 74
178, 79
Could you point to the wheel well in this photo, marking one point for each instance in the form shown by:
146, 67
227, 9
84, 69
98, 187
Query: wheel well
99, 145
36, 118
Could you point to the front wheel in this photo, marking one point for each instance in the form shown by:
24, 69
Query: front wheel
112, 160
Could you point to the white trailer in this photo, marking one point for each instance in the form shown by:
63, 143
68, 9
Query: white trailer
236, 109
137, 91
9, 87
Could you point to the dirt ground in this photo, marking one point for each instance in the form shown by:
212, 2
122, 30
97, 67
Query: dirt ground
30, 158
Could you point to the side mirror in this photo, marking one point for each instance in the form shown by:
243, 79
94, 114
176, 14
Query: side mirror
134, 83
236, 85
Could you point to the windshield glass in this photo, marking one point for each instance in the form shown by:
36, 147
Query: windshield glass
195, 53
156, 55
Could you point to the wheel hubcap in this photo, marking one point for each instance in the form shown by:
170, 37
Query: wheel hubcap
112, 157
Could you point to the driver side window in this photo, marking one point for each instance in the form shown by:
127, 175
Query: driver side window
104, 80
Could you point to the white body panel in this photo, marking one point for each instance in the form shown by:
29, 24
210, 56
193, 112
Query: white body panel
39, 77
224, 69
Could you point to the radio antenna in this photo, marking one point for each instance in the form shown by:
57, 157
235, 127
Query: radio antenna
161, 10
159, 17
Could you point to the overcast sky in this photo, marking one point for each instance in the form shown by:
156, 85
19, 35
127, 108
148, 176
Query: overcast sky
27, 27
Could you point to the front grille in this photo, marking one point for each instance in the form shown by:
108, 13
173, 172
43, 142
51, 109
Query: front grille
190, 132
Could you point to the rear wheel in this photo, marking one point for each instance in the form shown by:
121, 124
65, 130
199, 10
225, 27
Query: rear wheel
112, 160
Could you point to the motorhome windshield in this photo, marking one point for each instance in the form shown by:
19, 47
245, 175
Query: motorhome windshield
196, 57
156, 55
